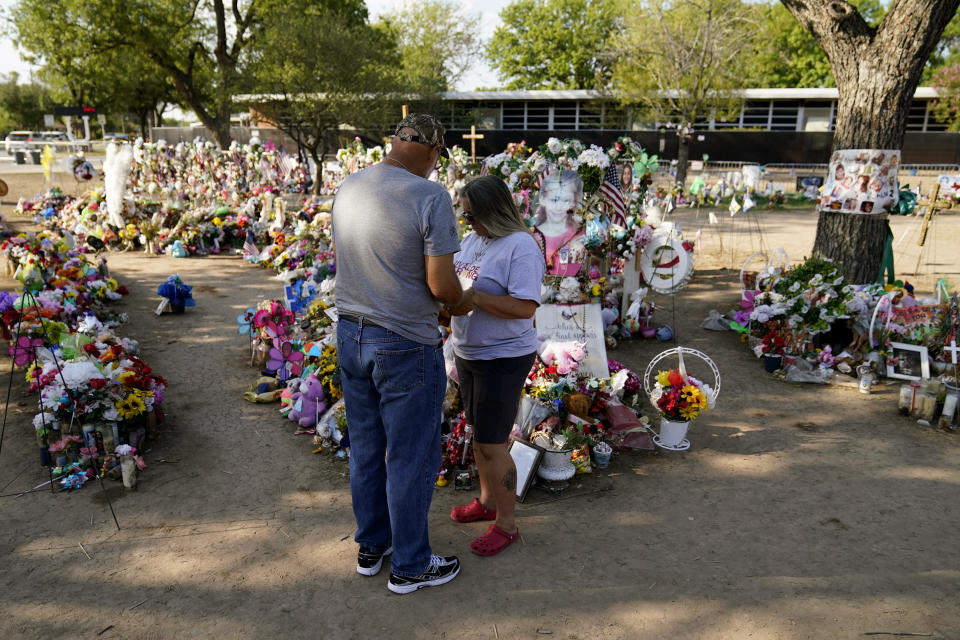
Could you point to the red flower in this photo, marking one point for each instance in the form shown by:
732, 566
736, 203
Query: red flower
98, 383
675, 378
122, 290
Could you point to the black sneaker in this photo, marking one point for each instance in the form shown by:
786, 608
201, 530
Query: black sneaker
442, 570
369, 561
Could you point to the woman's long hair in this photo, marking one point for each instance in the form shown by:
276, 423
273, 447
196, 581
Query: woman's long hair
493, 206
553, 184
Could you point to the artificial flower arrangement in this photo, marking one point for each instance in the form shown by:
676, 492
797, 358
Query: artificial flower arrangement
177, 292
777, 339
681, 397
815, 295
83, 372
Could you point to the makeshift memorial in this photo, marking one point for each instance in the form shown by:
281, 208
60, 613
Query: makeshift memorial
94, 392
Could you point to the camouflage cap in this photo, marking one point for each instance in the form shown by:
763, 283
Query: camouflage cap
430, 131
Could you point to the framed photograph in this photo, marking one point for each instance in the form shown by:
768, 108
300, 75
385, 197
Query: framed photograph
527, 458
908, 362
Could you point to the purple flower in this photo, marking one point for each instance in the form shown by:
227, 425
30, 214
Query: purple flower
6, 301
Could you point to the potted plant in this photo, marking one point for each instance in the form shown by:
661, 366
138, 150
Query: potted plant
680, 398
773, 345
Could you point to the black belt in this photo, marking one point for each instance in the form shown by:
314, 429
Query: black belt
356, 320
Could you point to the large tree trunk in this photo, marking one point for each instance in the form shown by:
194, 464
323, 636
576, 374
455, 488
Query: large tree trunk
877, 71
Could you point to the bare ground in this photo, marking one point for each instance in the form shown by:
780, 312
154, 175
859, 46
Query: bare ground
799, 512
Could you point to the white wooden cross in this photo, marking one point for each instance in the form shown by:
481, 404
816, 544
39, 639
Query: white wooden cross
953, 349
473, 136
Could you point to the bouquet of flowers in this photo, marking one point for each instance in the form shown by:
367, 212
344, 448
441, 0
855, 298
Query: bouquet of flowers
681, 397
177, 292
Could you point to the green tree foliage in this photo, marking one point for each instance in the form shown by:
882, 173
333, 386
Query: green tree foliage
320, 66
787, 55
22, 106
947, 52
946, 108
437, 43
86, 63
555, 44
681, 60
199, 45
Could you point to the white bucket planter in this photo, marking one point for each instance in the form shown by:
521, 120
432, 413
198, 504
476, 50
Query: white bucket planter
673, 434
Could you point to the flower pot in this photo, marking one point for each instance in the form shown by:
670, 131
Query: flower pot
556, 465
672, 435
772, 362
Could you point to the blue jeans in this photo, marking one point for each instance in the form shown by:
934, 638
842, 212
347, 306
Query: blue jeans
393, 390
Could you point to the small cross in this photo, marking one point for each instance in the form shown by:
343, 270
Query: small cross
953, 349
473, 136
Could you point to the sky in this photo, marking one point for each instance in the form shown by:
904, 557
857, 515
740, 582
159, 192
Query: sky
479, 76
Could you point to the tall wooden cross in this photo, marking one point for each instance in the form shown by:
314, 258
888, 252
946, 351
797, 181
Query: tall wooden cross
933, 206
473, 136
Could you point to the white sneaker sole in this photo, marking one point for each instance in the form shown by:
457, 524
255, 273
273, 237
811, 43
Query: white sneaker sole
375, 569
410, 588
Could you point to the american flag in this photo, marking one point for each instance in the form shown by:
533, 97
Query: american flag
611, 192
249, 246
543, 176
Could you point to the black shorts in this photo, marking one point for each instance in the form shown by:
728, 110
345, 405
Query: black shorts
491, 394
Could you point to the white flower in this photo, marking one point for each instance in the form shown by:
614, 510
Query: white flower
42, 419
554, 145
77, 374
816, 279
110, 414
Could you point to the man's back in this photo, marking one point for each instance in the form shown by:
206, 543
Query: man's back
385, 220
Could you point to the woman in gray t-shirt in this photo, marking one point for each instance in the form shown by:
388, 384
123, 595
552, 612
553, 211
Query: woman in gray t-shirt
495, 344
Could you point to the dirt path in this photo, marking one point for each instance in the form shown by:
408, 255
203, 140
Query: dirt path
800, 512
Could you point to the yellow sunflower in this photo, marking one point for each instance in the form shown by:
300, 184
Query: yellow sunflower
689, 412
690, 393
130, 407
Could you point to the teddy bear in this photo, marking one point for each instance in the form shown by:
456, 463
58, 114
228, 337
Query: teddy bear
566, 355
308, 401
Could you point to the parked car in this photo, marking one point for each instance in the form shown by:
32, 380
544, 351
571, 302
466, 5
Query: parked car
20, 141
118, 137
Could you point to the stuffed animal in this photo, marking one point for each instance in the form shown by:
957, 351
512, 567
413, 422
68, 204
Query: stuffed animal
308, 402
566, 355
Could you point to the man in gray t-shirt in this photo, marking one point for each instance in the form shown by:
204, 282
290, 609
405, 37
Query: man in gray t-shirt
395, 235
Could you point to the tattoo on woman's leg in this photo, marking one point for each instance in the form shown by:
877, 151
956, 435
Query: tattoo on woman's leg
510, 480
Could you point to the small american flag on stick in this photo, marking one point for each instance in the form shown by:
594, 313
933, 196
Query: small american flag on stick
249, 246
612, 193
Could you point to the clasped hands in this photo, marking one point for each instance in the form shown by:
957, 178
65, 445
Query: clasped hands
467, 302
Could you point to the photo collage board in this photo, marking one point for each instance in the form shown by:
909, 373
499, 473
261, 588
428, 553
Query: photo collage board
861, 181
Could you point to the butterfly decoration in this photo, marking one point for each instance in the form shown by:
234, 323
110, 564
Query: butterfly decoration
245, 322
24, 350
285, 359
